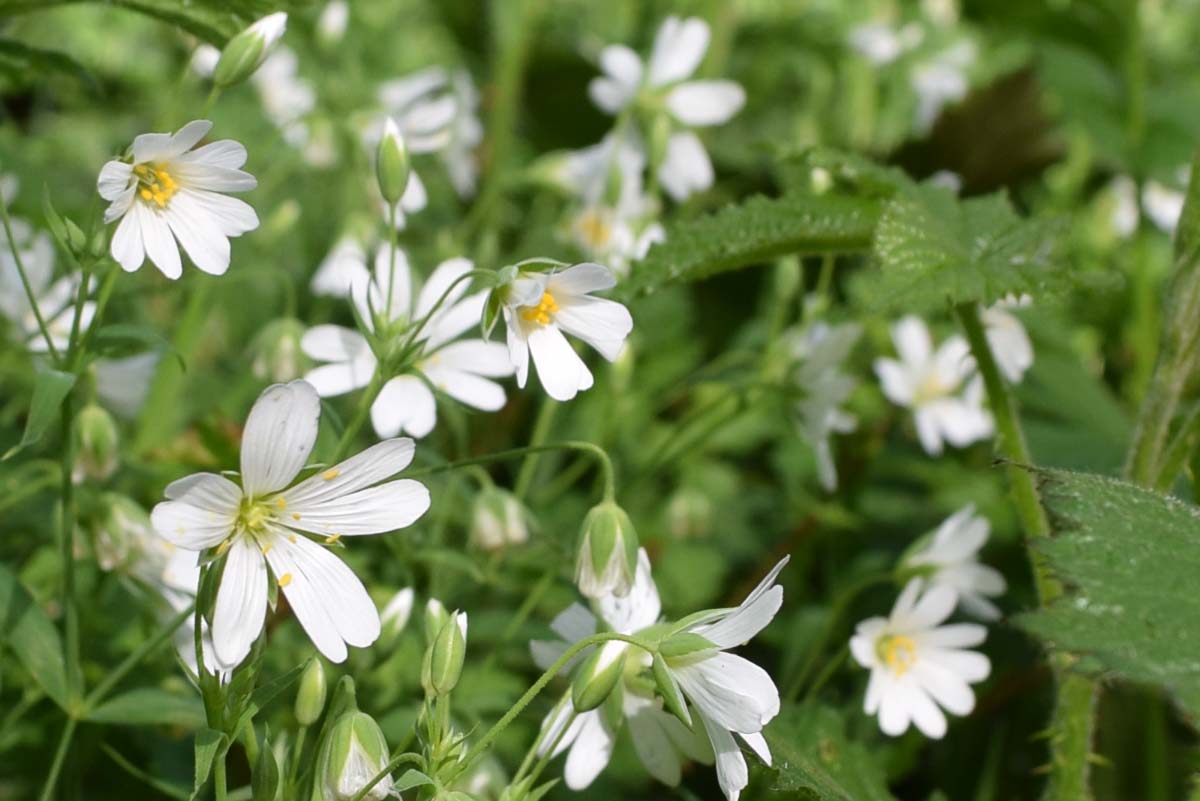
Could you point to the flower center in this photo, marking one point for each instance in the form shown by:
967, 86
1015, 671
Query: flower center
253, 515
156, 184
931, 388
898, 652
540, 313
593, 229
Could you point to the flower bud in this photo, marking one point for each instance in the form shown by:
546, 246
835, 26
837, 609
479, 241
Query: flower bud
607, 560
246, 52
391, 163
498, 519
277, 353
444, 657
121, 534
96, 439
310, 699
597, 677
76, 238
396, 613
435, 617
357, 751
264, 783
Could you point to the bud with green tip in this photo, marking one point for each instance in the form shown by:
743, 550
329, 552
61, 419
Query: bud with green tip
310, 699
96, 439
608, 545
396, 613
246, 52
596, 678
435, 617
391, 163
354, 752
277, 353
444, 658
497, 520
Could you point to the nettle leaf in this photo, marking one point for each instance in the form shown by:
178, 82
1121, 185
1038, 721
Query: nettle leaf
1129, 558
933, 249
814, 758
31, 637
753, 232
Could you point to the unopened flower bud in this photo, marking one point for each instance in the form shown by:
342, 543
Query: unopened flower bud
435, 617
277, 353
264, 783
607, 559
76, 238
357, 751
597, 677
497, 520
444, 657
396, 613
310, 699
246, 52
97, 440
331, 25
391, 163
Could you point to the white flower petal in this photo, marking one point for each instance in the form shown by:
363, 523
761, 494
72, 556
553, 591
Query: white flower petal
970, 665
746, 622
279, 435
453, 320
912, 341
126, 245
157, 238
440, 281
732, 774
608, 94
518, 348
679, 47
334, 343
896, 381
581, 279
232, 216
197, 232
946, 687
189, 526
209, 177
637, 610
590, 752
241, 602
206, 490
387, 507
603, 324
378, 462
562, 373
733, 691
404, 404
225, 153
686, 168
703, 103
467, 388
758, 744
114, 180
654, 748
331, 380
934, 606
956, 635
622, 65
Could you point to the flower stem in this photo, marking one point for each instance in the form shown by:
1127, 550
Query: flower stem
541, 429
360, 416
602, 458
29, 293
1073, 720
134, 659
67, 555
60, 754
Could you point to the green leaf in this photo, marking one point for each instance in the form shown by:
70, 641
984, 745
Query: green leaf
164, 787
150, 705
209, 743
50, 389
24, 65
934, 249
212, 20
1128, 558
814, 758
266, 693
32, 637
411, 779
127, 339
753, 232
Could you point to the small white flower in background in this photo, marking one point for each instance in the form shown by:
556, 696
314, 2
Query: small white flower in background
730, 694
917, 664
463, 369
123, 384
55, 299
540, 308
287, 100
660, 740
345, 264
821, 352
950, 558
204, 60
1162, 204
396, 613
926, 381
940, 81
881, 43
1007, 338
264, 525
1123, 197
169, 191
331, 25
679, 48
466, 132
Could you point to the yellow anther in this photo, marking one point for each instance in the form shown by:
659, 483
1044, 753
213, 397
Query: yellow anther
281, 502
594, 229
331, 474
285, 579
295, 515
540, 313
333, 538
899, 652
291, 537
146, 193
266, 548
224, 546
157, 184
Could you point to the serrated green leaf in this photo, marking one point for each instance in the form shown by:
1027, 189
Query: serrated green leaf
812, 755
50, 389
31, 637
1128, 559
150, 705
935, 250
753, 232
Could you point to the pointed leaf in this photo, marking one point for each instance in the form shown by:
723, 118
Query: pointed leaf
31, 637
50, 389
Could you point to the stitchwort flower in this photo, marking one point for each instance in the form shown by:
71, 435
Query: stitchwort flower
950, 558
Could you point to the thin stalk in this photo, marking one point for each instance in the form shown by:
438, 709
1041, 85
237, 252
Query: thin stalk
102, 297
67, 555
499, 456
394, 763
60, 755
219, 789
541, 429
29, 294
74, 353
1073, 721
393, 240
134, 659
360, 416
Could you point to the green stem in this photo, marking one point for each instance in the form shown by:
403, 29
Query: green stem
499, 456
102, 298
29, 293
541, 430
827, 672
101, 690
360, 416
219, 788
60, 755
1073, 720
67, 555
394, 763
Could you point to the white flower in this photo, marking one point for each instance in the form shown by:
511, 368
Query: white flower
917, 664
331, 25
732, 695
1007, 338
463, 369
55, 299
821, 350
286, 97
661, 741
941, 80
881, 43
952, 557
1163, 205
169, 192
1122, 195
926, 382
540, 307
264, 525
398, 610
269, 29
204, 60
341, 268
678, 50
122, 384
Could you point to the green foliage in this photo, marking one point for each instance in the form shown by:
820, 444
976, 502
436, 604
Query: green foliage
814, 758
148, 706
26, 630
50, 389
21, 64
1128, 558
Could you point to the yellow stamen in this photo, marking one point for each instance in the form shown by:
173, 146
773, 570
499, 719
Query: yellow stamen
291, 537
331, 474
285, 579
224, 546
594, 229
899, 652
266, 548
540, 313
158, 187
333, 538
281, 502
295, 515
